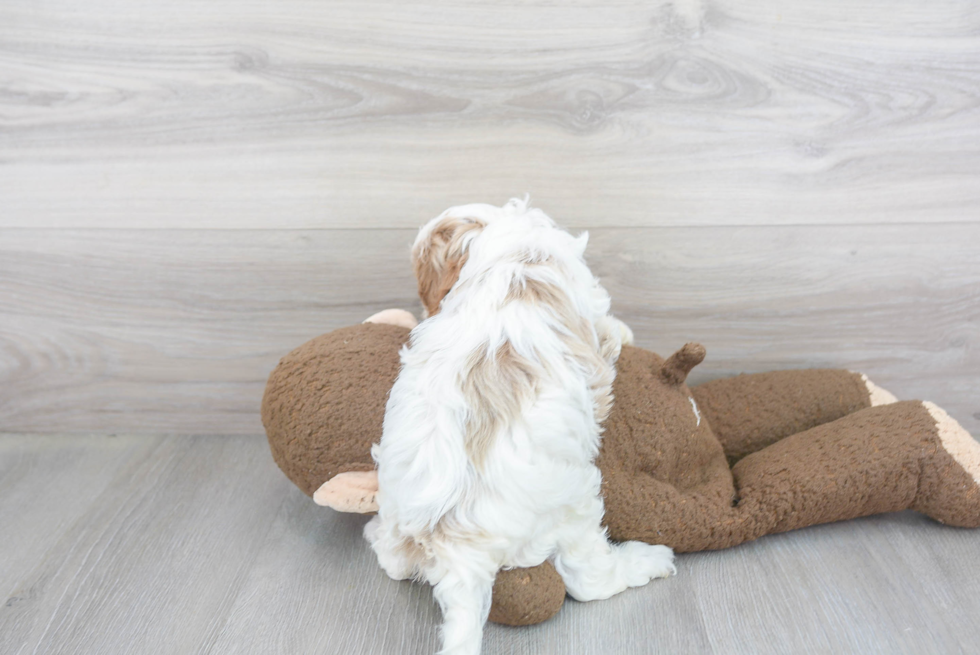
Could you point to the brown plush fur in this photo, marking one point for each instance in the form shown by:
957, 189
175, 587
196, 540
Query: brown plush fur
324, 404
527, 596
777, 404
772, 452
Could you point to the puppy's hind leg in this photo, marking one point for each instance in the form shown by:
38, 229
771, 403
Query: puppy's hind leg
396, 555
463, 582
593, 569
613, 334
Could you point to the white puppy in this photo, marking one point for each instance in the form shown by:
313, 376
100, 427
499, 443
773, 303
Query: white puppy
492, 427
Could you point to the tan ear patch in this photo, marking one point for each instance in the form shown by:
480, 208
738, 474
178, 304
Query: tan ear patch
355, 491
438, 260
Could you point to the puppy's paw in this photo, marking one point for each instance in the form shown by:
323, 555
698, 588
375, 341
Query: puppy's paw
644, 562
613, 335
372, 530
391, 558
625, 332
397, 568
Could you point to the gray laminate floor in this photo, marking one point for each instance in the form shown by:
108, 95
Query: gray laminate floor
123, 544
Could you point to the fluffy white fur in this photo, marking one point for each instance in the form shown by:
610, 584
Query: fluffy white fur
491, 430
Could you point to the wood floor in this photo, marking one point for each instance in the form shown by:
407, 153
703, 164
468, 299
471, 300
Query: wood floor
132, 544
189, 190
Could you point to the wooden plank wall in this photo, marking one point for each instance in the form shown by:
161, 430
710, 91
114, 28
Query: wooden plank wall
188, 190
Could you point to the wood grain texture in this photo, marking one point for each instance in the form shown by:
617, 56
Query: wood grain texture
176, 331
46, 484
154, 561
302, 114
200, 545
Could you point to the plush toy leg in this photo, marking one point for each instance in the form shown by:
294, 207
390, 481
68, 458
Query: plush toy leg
749, 412
949, 487
904, 455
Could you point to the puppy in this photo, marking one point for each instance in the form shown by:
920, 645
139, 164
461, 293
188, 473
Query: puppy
492, 426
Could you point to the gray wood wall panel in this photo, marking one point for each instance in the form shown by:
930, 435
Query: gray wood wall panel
200, 545
305, 114
175, 331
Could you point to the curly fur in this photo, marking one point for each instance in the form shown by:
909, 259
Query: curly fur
487, 454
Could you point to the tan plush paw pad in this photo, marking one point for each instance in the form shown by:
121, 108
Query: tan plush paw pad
878, 395
956, 441
355, 491
398, 317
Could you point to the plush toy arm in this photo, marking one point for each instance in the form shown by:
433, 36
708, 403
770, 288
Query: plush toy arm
750, 412
355, 491
399, 317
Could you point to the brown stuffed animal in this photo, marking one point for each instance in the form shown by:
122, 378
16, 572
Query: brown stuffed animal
693, 468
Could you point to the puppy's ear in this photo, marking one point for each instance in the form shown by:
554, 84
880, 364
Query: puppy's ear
439, 254
581, 242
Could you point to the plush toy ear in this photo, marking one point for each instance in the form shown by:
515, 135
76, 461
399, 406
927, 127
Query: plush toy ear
354, 491
674, 371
